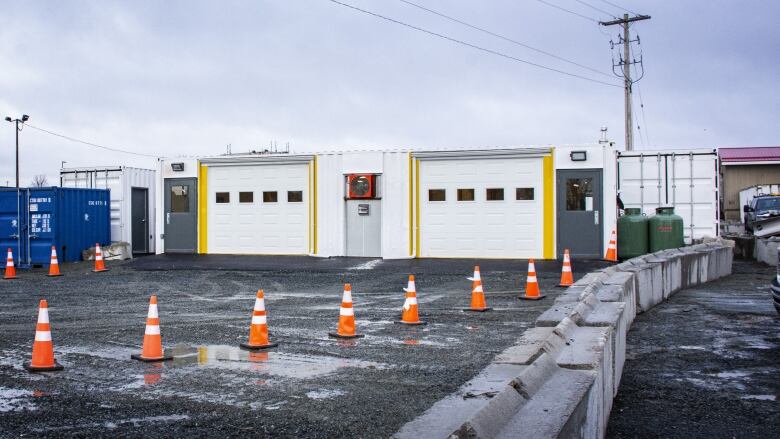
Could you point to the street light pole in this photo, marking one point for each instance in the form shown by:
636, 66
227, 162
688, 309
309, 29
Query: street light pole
17, 122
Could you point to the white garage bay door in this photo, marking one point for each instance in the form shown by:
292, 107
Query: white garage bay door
481, 207
258, 209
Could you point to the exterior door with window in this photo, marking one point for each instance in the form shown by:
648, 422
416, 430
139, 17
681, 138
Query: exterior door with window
181, 215
580, 212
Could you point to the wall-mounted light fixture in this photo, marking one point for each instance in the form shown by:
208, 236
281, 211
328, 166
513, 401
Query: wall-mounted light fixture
177, 167
578, 156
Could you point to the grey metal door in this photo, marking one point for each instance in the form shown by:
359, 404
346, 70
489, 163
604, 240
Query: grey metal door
139, 220
364, 228
580, 212
180, 217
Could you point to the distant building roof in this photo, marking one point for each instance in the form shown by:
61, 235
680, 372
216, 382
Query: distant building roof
741, 155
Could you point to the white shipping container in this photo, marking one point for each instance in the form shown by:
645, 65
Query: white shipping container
120, 180
687, 181
747, 194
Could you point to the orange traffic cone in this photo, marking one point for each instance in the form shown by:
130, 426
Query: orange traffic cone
10, 270
410, 316
99, 264
567, 278
152, 349
478, 302
54, 267
531, 284
346, 316
612, 249
43, 348
258, 328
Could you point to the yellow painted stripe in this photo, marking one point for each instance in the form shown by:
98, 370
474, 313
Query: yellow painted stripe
549, 205
203, 197
411, 206
417, 208
314, 204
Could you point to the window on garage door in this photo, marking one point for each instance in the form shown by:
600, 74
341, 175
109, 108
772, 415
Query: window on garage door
295, 196
465, 194
270, 197
494, 194
437, 195
524, 194
223, 197
246, 197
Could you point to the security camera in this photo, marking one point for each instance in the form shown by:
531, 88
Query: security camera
8, 119
25, 118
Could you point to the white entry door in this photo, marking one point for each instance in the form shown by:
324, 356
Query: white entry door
258, 209
481, 208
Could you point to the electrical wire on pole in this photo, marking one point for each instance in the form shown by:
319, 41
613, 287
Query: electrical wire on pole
569, 11
473, 46
94, 145
518, 43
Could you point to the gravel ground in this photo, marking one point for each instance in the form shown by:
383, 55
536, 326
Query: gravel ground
704, 364
310, 386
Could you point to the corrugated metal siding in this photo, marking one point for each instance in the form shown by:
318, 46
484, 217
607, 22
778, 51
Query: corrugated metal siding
69, 219
688, 182
120, 180
736, 178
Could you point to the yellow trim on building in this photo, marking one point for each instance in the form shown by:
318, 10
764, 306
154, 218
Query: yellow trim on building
313, 196
203, 197
417, 209
548, 179
411, 205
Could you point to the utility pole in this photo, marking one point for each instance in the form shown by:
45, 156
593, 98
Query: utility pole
626, 64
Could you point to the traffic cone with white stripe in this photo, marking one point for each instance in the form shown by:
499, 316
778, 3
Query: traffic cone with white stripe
10, 270
346, 317
258, 328
43, 348
54, 267
410, 315
531, 284
99, 264
567, 279
478, 303
612, 249
152, 349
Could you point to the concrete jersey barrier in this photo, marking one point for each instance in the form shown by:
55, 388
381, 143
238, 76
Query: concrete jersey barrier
560, 378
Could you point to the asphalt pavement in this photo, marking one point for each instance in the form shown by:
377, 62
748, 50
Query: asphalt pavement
704, 364
310, 386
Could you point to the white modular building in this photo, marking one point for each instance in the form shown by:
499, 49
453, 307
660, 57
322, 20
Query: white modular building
133, 201
523, 202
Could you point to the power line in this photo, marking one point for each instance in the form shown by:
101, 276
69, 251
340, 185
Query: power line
568, 10
473, 46
619, 7
90, 143
595, 8
504, 37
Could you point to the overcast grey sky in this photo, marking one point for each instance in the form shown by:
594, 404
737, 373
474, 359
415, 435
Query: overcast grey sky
189, 77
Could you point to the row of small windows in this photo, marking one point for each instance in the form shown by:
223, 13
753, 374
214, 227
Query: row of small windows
268, 197
491, 194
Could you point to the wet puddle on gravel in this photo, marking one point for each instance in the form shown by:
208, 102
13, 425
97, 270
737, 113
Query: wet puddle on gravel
15, 399
280, 364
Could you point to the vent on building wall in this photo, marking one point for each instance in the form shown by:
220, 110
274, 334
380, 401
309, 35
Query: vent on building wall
361, 186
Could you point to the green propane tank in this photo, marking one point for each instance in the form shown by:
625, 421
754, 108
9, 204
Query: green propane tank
666, 229
632, 234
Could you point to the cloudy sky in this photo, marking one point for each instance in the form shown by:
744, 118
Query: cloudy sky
189, 77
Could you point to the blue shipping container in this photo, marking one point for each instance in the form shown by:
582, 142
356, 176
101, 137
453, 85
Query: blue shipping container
32, 220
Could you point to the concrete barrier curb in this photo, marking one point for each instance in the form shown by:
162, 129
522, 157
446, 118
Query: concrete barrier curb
560, 378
